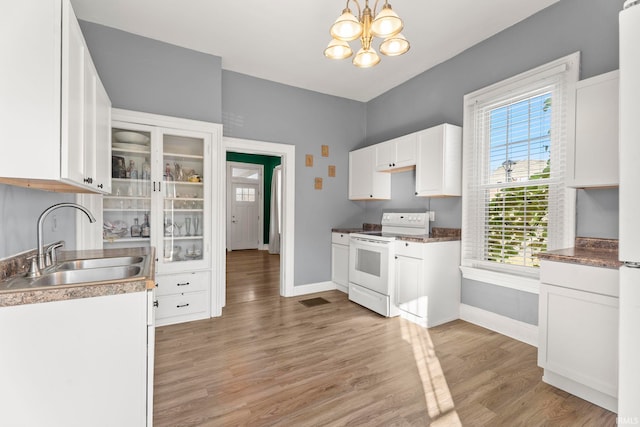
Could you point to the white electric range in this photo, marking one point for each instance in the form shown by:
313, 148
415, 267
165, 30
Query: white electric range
371, 260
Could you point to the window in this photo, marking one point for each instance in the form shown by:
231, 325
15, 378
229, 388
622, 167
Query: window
515, 204
244, 194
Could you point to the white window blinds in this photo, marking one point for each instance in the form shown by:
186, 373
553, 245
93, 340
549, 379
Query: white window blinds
514, 199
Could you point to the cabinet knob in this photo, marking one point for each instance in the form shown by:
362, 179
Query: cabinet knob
370, 195
416, 193
390, 165
394, 164
99, 185
155, 303
406, 244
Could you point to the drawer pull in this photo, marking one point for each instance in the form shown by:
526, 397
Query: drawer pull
156, 304
182, 305
182, 284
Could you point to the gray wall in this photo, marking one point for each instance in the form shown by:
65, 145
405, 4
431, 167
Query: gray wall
146, 75
435, 96
258, 109
166, 79
19, 212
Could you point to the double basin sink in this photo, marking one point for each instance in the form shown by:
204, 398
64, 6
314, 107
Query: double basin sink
82, 271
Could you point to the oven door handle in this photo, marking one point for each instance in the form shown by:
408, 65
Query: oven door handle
359, 241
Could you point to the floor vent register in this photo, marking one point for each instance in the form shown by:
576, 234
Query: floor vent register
312, 302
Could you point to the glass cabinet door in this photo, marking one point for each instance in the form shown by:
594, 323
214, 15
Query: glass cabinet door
184, 198
127, 210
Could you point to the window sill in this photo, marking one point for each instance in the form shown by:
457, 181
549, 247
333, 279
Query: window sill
511, 281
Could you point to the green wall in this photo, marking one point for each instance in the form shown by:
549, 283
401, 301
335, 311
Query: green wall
269, 163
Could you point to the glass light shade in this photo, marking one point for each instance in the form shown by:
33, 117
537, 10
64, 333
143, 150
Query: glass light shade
366, 58
338, 49
347, 27
394, 46
387, 23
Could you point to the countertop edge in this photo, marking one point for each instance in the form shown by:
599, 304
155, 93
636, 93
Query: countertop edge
141, 283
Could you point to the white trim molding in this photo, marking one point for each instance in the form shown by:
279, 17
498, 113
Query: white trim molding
511, 281
312, 288
515, 329
288, 154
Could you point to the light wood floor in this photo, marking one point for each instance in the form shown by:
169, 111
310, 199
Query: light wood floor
270, 361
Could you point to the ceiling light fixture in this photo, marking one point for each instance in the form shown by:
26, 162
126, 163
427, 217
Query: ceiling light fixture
386, 25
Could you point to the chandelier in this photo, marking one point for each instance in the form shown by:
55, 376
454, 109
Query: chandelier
386, 25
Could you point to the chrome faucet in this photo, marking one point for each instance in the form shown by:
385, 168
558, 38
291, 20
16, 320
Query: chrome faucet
43, 215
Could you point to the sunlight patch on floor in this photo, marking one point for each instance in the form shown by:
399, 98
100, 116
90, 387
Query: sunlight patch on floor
440, 405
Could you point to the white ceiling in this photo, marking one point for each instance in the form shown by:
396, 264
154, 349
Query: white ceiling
284, 40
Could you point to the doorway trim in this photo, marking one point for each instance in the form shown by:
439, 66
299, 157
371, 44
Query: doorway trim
287, 153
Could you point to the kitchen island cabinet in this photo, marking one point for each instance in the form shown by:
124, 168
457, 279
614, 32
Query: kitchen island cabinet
56, 112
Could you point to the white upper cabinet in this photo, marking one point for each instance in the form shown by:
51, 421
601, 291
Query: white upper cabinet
593, 159
397, 155
439, 161
364, 182
55, 109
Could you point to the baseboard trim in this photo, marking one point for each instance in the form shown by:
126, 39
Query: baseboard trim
515, 329
312, 288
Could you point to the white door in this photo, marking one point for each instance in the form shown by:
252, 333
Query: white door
244, 216
244, 205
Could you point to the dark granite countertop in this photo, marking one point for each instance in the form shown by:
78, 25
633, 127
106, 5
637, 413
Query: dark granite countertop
365, 228
438, 234
589, 251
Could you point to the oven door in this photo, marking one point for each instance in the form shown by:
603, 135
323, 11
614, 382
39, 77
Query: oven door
369, 263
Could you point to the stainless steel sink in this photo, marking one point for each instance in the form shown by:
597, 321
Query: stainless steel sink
82, 264
69, 277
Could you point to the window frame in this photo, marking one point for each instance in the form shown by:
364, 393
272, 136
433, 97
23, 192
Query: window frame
497, 273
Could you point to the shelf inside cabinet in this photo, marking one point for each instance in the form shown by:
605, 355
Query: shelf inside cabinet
178, 156
130, 150
143, 209
126, 239
183, 237
184, 210
129, 180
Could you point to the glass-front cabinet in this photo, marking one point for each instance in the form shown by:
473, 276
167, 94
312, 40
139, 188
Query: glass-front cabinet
161, 181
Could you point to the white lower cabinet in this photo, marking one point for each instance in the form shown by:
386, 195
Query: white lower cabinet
578, 327
340, 261
182, 297
80, 362
427, 281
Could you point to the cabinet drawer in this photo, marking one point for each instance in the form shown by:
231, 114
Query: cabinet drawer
410, 249
586, 278
181, 304
182, 283
340, 238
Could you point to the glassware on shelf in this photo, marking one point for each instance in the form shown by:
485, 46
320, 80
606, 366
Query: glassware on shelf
196, 226
168, 176
146, 170
136, 230
146, 228
132, 171
179, 225
187, 224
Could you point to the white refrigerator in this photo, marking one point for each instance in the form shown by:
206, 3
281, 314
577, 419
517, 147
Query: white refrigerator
629, 338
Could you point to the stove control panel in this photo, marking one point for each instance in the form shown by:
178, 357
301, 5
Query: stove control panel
413, 221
